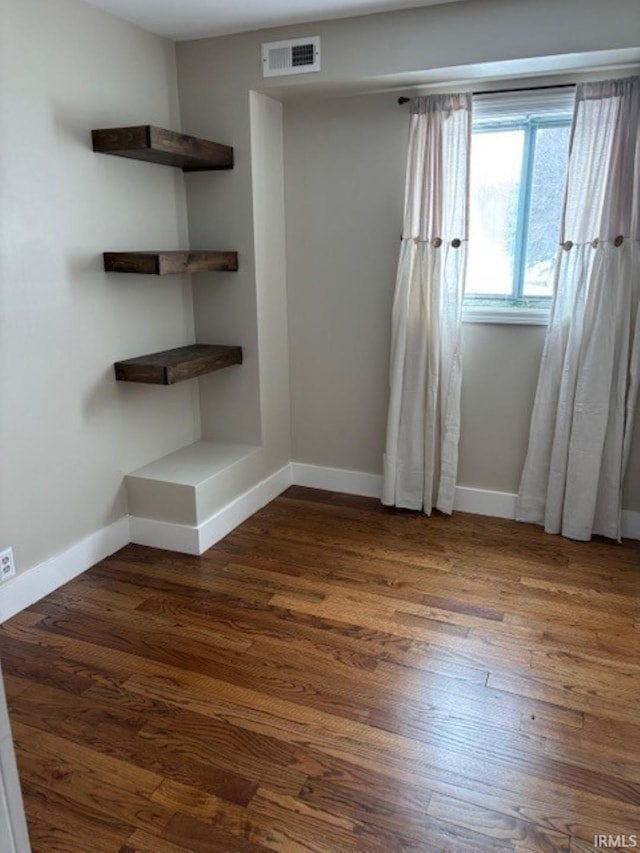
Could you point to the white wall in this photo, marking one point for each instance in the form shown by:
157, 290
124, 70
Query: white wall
242, 209
344, 184
267, 171
344, 174
68, 431
414, 46
344, 165
345, 160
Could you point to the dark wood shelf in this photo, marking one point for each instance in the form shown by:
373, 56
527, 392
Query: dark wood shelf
146, 142
168, 263
176, 365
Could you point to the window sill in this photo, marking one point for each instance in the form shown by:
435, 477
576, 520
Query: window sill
515, 316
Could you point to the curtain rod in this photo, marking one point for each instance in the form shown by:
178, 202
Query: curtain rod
403, 100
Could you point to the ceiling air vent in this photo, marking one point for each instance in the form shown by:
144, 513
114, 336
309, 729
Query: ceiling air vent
295, 56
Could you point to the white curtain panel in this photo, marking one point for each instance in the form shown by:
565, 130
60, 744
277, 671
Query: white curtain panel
423, 427
588, 384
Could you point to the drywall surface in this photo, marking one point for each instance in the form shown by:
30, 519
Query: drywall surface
631, 493
344, 168
241, 209
68, 432
455, 41
267, 170
500, 364
345, 161
344, 175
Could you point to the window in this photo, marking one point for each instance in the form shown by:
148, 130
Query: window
519, 155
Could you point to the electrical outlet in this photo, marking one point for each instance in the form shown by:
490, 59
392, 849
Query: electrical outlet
7, 564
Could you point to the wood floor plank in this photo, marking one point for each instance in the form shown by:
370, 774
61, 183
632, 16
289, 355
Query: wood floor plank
286, 829
42, 666
144, 842
401, 756
204, 837
130, 777
148, 630
163, 759
545, 686
497, 826
15, 686
353, 644
164, 578
187, 800
224, 763
87, 791
57, 828
335, 676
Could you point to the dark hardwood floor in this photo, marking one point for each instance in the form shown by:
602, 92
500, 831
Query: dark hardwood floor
335, 676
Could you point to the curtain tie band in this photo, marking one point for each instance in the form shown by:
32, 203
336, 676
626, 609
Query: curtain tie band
617, 242
436, 242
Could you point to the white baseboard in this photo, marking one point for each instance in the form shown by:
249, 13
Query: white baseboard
229, 517
467, 499
165, 534
33, 584
337, 480
197, 539
485, 502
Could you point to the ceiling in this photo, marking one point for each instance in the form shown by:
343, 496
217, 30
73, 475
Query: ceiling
188, 19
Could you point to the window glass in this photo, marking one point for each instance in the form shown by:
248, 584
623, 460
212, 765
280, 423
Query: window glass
495, 171
548, 176
517, 180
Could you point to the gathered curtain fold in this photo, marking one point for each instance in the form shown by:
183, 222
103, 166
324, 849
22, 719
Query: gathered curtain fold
587, 391
423, 424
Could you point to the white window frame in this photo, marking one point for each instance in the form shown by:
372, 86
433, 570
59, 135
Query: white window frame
503, 314
513, 108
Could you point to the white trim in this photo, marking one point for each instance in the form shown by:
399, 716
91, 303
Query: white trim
516, 316
467, 499
337, 480
229, 517
485, 502
33, 584
165, 534
12, 818
188, 539
630, 524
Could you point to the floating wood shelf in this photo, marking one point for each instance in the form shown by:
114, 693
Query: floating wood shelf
146, 142
166, 263
176, 365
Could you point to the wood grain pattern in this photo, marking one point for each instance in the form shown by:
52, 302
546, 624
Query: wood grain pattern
176, 365
335, 676
166, 147
170, 263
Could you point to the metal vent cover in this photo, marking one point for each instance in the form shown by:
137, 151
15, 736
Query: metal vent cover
294, 56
